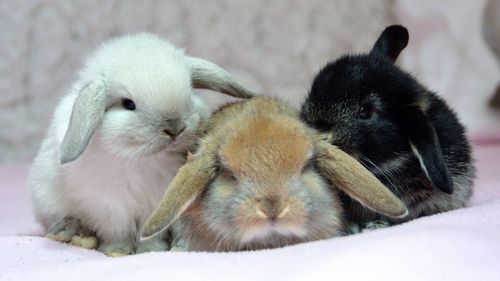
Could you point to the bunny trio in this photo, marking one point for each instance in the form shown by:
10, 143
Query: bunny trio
370, 145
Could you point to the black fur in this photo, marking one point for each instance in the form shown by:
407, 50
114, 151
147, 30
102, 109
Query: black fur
387, 120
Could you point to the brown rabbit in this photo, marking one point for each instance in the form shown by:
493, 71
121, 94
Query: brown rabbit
260, 180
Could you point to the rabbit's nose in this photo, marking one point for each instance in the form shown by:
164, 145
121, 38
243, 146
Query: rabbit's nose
271, 208
174, 132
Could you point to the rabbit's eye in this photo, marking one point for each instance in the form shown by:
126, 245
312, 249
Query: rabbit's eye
366, 111
128, 104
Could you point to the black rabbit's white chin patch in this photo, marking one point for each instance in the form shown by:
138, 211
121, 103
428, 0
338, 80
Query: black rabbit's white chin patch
387, 167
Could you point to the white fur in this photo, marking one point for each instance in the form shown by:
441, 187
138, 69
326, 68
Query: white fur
263, 232
420, 159
113, 187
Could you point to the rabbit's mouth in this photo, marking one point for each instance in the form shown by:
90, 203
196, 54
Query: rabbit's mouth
163, 145
272, 230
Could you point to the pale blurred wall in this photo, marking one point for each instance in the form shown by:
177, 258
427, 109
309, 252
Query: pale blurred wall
271, 46
274, 47
448, 53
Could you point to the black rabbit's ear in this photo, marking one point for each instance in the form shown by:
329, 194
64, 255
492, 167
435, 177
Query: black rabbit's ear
425, 144
391, 42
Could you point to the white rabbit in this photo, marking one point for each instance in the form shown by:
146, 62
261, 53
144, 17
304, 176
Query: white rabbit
117, 139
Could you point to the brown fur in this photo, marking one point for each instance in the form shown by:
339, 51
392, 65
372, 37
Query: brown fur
360, 184
198, 234
261, 142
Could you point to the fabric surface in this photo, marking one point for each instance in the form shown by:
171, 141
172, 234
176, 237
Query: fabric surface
458, 245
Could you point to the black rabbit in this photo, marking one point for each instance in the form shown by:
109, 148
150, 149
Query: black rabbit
405, 134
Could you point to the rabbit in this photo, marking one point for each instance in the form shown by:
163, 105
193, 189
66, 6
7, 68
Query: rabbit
262, 179
403, 133
118, 137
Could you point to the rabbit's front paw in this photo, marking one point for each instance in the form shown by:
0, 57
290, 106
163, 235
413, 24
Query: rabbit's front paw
117, 249
70, 230
157, 244
376, 224
87, 242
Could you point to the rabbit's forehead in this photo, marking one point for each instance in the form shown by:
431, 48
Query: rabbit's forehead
147, 69
266, 147
352, 76
154, 87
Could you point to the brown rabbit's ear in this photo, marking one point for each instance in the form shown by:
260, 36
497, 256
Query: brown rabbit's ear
208, 75
188, 184
88, 111
357, 182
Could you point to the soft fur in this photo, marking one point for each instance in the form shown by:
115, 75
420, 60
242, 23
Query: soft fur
406, 135
103, 168
259, 180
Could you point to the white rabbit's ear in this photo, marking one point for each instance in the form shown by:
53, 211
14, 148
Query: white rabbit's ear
357, 182
187, 185
88, 111
207, 75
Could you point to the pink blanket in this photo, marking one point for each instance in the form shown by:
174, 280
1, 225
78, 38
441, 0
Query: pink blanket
458, 245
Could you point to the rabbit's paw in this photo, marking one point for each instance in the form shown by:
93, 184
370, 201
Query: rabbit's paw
376, 224
117, 249
179, 246
65, 229
152, 245
87, 242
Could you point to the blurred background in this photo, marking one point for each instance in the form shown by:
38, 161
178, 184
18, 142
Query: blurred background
274, 47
